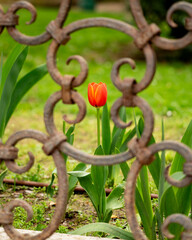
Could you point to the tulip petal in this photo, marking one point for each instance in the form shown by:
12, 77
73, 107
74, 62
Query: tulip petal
91, 94
101, 95
95, 86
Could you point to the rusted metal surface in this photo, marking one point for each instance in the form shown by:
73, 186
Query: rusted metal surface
54, 142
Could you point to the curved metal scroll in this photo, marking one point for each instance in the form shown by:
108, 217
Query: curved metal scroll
55, 142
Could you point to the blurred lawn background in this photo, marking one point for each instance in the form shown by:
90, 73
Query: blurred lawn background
169, 95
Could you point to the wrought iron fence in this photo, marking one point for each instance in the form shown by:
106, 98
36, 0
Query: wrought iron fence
55, 142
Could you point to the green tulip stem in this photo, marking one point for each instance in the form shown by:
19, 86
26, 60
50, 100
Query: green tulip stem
98, 126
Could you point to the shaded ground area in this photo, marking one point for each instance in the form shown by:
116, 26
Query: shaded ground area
79, 210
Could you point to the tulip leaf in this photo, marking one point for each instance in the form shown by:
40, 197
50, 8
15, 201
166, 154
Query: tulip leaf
2, 176
183, 195
9, 80
1, 69
144, 213
178, 161
70, 131
118, 133
115, 198
156, 164
153, 228
125, 169
162, 169
99, 176
73, 179
70, 137
122, 116
8, 65
165, 196
79, 174
23, 86
144, 183
106, 228
159, 223
99, 173
128, 136
106, 133
86, 183
50, 190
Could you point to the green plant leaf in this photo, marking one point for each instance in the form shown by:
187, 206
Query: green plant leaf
128, 136
9, 86
156, 164
73, 179
125, 169
78, 174
86, 183
115, 198
106, 133
144, 213
167, 196
154, 228
70, 131
23, 86
183, 195
159, 223
2, 176
99, 173
99, 176
70, 137
122, 116
8, 65
118, 133
145, 191
162, 170
144, 185
106, 228
178, 161
108, 214
1, 69
64, 127
50, 190
170, 207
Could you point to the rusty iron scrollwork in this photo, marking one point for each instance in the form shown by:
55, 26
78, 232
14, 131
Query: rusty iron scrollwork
54, 142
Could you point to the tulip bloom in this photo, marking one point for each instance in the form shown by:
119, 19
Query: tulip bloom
97, 94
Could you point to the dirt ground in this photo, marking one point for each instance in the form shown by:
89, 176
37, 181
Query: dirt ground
79, 211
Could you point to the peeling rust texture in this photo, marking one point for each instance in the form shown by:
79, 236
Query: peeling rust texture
54, 143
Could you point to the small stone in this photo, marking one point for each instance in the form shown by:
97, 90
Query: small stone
40, 195
28, 192
17, 195
51, 204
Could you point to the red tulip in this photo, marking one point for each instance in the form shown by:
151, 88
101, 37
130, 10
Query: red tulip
97, 94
